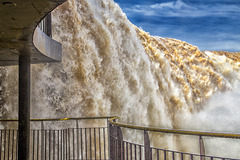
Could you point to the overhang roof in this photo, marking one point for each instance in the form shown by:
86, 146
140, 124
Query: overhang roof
18, 20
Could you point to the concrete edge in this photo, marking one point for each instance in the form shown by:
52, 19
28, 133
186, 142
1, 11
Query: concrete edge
47, 46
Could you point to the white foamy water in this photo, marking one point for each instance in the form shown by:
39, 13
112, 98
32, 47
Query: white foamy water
111, 67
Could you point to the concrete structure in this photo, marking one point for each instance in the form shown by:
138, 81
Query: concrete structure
21, 44
18, 20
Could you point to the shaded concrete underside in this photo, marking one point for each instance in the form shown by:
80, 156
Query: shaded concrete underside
18, 20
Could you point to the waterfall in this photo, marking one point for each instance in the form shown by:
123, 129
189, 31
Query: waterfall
111, 67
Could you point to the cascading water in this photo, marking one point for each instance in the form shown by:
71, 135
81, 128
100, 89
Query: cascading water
110, 67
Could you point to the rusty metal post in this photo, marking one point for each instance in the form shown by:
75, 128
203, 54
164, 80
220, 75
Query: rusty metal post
78, 144
108, 140
119, 137
42, 140
111, 142
201, 148
24, 107
147, 148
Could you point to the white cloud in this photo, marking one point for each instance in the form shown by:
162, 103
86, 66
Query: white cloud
172, 5
142, 9
163, 5
181, 9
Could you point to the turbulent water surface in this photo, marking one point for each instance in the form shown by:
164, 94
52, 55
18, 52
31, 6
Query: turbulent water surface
111, 67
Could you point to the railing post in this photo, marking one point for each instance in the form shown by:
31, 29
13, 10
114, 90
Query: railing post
147, 148
77, 127
119, 137
201, 148
111, 140
42, 140
108, 131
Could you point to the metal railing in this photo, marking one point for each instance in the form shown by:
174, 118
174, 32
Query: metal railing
61, 139
120, 149
46, 25
96, 138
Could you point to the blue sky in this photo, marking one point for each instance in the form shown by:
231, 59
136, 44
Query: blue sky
208, 24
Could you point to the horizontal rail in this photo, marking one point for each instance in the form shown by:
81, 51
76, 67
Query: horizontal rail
163, 130
175, 131
58, 119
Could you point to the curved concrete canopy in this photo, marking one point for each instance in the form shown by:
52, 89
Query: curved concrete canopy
18, 20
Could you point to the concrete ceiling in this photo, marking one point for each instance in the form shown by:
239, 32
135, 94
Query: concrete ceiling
18, 20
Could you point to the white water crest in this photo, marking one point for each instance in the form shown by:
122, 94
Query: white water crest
110, 67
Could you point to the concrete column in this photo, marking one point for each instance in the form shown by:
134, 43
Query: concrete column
24, 107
